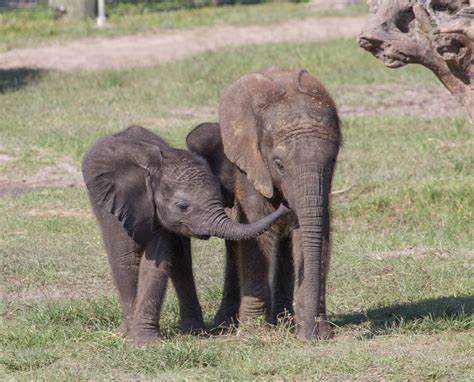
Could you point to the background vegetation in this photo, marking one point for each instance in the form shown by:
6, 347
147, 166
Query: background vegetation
400, 288
28, 27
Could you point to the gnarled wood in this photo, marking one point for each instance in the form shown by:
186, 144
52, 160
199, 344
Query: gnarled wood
438, 34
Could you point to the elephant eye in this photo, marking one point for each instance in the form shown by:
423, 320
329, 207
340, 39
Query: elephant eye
279, 165
183, 206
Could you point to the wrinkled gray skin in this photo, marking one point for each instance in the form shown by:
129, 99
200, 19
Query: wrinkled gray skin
280, 130
148, 199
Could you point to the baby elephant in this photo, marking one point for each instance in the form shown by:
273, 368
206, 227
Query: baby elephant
148, 199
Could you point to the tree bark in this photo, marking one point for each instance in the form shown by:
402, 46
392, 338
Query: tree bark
438, 34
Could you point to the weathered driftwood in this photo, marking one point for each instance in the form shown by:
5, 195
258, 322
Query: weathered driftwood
438, 34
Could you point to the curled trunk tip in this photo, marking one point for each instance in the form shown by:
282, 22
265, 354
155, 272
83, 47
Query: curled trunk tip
226, 228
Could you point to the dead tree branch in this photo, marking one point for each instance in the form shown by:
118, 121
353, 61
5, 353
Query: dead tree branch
438, 34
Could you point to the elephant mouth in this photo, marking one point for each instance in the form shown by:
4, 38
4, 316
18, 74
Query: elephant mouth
202, 237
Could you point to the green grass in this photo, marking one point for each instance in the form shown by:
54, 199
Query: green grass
398, 317
28, 27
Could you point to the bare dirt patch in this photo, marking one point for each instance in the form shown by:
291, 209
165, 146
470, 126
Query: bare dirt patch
153, 49
51, 177
423, 99
5, 155
62, 213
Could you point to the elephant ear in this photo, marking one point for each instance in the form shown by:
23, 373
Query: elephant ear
205, 140
310, 85
241, 126
117, 172
327, 116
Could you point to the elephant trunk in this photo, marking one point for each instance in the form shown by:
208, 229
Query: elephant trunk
224, 227
311, 210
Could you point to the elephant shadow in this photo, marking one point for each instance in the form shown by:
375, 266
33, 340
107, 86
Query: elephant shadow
14, 79
449, 307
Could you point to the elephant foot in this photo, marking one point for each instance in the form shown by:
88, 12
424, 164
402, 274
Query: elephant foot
324, 331
226, 316
144, 339
122, 330
144, 335
283, 317
194, 326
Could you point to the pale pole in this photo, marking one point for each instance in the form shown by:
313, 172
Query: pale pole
101, 20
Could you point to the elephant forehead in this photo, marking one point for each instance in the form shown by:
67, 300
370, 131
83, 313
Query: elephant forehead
306, 131
191, 177
188, 171
308, 149
303, 115
305, 126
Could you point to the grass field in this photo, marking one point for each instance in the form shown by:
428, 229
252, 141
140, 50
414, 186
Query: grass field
30, 26
400, 288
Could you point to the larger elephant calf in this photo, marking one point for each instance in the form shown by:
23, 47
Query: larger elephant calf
280, 136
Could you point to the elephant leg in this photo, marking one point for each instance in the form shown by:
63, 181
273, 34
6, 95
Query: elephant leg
124, 258
325, 329
229, 306
183, 282
253, 275
155, 268
283, 282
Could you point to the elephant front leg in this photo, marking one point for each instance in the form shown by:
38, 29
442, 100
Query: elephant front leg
324, 328
155, 268
253, 275
230, 303
183, 281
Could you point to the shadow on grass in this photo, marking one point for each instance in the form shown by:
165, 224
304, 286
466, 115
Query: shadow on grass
15, 79
442, 308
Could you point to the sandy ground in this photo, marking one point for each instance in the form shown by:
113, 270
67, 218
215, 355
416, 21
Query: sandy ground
428, 100
62, 176
153, 49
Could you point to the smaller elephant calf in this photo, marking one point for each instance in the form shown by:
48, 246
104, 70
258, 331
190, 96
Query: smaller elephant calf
149, 198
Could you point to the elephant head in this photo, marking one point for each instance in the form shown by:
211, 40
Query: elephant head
281, 129
148, 186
